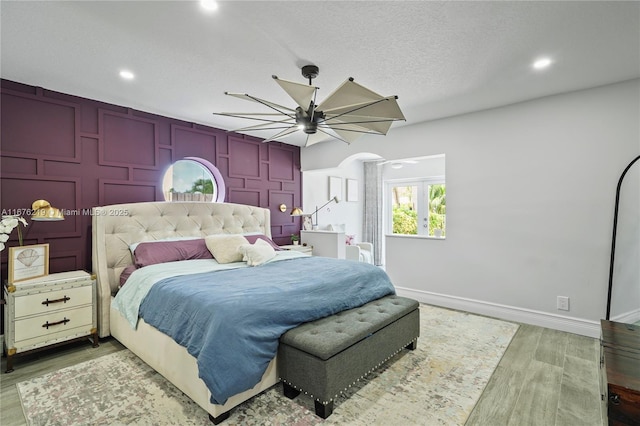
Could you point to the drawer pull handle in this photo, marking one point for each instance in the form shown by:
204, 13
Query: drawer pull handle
51, 324
63, 300
614, 399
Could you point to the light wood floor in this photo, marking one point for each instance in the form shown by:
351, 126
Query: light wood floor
545, 377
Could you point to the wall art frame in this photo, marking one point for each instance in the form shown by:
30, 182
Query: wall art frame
26, 262
335, 187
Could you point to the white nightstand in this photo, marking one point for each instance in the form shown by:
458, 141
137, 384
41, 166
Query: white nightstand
297, 247
50, 310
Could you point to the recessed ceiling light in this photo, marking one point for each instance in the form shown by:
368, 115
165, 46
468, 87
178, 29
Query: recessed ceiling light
209, 5
127, 75
542, 63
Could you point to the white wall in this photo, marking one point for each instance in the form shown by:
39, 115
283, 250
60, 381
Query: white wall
316, 193
530, 192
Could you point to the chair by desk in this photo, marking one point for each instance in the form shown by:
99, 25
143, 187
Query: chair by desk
362, 252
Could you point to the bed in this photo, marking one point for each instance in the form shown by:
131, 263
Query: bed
116, 228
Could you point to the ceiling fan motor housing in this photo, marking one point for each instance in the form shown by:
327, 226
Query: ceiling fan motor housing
304, 119
310, 72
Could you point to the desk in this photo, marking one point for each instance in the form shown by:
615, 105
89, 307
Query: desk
297, 247
325, 243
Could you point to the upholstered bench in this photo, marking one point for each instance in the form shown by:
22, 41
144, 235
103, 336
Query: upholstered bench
324, 358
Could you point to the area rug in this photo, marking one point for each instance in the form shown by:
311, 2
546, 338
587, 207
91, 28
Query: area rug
437, 384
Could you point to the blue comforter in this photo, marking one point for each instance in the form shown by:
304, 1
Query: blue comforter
231, 320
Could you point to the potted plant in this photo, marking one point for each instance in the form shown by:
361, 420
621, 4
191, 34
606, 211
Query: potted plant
295, 239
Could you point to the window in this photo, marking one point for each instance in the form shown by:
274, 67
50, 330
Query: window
417, 207
193, 179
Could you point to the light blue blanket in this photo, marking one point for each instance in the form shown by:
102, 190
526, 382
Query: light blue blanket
231, 320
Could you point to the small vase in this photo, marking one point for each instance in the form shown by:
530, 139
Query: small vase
295, 243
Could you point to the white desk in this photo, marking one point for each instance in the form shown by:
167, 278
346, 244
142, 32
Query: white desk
325, 243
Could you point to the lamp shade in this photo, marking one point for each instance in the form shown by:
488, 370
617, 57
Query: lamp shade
297, 211
42, 210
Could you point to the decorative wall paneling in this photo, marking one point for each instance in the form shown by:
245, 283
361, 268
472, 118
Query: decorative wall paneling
78, 153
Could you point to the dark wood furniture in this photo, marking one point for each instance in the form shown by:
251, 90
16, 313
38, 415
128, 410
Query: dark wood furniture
620, 372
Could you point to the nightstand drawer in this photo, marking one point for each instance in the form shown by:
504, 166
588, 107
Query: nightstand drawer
61, 322
49, 301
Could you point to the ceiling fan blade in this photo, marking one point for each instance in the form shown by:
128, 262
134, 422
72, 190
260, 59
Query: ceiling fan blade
270, 125
243, 114
348, 93
318, 137
347, 134
380, 126
386, 108
255, 118
301, 93
283, 133
280, 108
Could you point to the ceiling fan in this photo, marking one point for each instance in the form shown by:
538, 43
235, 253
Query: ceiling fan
397, 164
346, 114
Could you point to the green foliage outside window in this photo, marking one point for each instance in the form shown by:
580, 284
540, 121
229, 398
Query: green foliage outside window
437, 208
202, 186
405, 220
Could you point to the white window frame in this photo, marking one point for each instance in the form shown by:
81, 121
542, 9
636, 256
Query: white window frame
423, 195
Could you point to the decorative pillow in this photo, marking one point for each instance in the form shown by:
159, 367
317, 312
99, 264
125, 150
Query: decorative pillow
124, 275
257, 253
152, 252
252, 238
133, 246
226, 248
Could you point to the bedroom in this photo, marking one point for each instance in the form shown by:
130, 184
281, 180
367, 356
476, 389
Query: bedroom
555, 157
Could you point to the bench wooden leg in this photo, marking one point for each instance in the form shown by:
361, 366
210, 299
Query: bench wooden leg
323, 410
412, 346
289, 391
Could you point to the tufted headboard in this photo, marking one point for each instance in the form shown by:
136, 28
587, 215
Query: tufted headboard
116, 227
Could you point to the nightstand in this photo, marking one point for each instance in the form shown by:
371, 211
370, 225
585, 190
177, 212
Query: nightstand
51, 310
297, 247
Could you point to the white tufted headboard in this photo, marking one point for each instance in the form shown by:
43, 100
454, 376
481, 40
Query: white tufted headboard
116, 227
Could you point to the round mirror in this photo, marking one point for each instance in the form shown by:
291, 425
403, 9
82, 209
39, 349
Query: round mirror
193, 179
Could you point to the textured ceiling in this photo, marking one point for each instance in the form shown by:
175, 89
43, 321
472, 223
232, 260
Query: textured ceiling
440, 58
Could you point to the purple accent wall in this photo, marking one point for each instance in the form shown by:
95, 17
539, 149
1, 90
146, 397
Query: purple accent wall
79, 153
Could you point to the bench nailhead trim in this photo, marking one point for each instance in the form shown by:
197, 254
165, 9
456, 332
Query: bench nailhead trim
361, 377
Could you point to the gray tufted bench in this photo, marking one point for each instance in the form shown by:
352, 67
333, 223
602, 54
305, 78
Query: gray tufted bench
324, 358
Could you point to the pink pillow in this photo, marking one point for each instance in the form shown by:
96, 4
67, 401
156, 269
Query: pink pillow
124, 275
152, 252
253, 238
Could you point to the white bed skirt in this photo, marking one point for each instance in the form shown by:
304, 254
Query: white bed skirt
173, 361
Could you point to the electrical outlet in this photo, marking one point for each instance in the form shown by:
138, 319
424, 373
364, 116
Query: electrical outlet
563, 303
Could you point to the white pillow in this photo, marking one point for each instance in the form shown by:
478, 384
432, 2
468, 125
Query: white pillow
226, 248
257, 253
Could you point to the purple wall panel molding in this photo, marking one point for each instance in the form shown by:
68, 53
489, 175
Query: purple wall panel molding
79, 153
127, 140
52, 131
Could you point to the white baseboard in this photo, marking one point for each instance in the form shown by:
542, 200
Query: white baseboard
509, 313
630, 317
